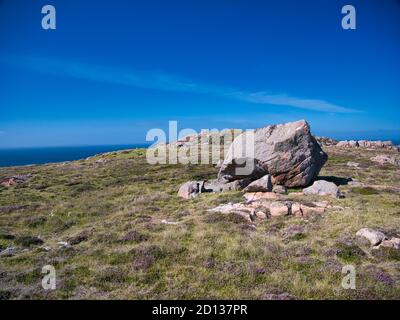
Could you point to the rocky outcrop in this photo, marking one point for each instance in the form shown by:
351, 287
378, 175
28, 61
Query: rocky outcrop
367, 144
323, 188
349, 144
288, 152
324, 141
262, 205
10, 181
280, 208
383, 159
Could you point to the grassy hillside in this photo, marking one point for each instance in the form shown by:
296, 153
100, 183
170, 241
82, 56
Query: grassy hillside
110, 209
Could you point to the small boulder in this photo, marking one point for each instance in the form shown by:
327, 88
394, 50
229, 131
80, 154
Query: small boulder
190, 189
261, 215
383, 159
280, 208
392, 243
222, 185
373, 236
280, 189
323, 188
263, 184
353, 164
63, 245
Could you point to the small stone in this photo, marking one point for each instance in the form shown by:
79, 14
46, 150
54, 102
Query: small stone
373, 236
190, 189
261, 215
353, 164
296, 209
63, 245
280, 189
263, 184
323, 188
280, 208
392, 243
383, 159
169, 222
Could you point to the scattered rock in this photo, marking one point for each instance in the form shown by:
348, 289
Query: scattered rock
384, 159
324, 141
367, 144
223, 185
323, 188
392, 243
8, 252
169, 222
280, 189
261, 215
280, 208
373, 236
190, 189
263, 184
353, 164
236, 208
308, 210
304, 210
255, 196
288, 152
63, 245
11, 181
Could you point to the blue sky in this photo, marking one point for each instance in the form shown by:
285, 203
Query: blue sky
112, 70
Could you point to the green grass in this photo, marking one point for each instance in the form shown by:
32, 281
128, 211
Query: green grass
114, 210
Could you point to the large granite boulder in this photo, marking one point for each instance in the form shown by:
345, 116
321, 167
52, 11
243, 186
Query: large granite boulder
287, 152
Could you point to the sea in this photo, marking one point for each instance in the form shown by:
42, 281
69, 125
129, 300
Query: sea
42, 155
32, 156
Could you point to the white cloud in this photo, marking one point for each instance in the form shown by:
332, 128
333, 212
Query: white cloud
167, 82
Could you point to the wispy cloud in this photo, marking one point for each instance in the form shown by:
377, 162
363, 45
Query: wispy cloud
166, 82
